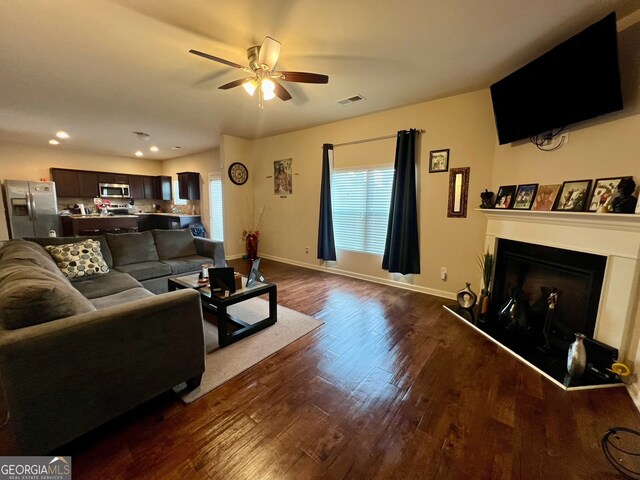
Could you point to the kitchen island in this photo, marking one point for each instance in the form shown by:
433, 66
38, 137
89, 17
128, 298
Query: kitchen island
95, 224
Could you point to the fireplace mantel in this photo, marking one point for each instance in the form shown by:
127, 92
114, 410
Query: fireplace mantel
608, 221
616, 236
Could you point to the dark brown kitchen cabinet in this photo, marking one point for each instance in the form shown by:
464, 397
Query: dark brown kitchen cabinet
66, 182
121, 178
107, 177
87, 184
149, 183
163, 185
189, 185
136, 186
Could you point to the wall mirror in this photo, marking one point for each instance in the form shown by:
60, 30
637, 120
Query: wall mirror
458, 192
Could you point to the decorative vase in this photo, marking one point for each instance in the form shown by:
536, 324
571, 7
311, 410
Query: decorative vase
466, 298
577, 357
514, 314
252, 246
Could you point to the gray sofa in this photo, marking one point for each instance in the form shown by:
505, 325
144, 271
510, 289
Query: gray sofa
77, 352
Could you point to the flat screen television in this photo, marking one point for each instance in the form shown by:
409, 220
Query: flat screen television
577, 80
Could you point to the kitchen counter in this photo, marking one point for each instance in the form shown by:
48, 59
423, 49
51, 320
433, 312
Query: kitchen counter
168, 214
96, 224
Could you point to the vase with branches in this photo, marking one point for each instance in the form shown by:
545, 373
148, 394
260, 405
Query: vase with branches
251, 231
485, 262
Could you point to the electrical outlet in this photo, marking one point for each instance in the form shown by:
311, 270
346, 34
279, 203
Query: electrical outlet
306, 250
443, 274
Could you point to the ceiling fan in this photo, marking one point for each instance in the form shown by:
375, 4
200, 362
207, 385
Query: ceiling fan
264, 78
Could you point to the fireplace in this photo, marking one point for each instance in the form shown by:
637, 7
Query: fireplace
610, 312
531, 273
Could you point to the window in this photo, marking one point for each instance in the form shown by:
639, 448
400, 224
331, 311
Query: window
361, 201
176, 194
215, 203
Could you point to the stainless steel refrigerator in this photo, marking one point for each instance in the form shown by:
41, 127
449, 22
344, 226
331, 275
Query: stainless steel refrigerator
32, 208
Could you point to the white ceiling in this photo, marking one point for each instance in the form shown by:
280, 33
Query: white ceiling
101, 69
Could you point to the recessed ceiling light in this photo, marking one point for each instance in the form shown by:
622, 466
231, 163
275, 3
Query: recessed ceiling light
153, 148
62, 134
53, 141
139, 153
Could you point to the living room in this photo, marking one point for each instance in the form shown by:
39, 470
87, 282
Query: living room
462, 122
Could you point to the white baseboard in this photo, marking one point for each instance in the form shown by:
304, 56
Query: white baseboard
369, 278
634, 393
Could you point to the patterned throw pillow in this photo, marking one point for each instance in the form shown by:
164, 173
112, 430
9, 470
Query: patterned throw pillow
78, 260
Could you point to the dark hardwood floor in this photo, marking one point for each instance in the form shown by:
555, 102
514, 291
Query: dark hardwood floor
390, 387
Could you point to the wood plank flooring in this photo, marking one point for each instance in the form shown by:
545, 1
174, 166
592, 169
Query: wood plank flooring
391, 387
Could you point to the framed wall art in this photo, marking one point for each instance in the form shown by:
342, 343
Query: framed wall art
458, 192
283, 177
573, 195
438, 160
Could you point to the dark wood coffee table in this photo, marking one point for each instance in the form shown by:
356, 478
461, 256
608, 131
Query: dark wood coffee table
218, 304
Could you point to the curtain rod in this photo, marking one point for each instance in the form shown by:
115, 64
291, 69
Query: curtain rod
365, 140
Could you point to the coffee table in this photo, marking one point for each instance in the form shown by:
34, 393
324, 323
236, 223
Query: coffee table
219, 304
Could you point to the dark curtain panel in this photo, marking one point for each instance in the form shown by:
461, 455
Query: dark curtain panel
326, 243
401, 251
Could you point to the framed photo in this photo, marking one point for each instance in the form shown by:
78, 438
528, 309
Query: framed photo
603, 192
573, 195
505, 196
282, 177
525, 195
545, 197
438, 160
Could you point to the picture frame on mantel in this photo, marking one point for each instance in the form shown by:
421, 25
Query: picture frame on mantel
525, 195
439, 160
573, 196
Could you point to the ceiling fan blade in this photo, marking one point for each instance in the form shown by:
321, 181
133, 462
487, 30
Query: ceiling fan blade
281, 92
215, 59
304, 77
269, 52
235, 83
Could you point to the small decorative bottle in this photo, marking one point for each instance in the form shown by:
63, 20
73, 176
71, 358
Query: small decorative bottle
577, 357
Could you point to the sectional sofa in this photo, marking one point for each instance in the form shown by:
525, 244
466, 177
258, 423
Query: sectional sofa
88, 330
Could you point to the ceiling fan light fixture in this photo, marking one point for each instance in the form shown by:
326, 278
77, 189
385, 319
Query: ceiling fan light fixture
250, 86
268, 88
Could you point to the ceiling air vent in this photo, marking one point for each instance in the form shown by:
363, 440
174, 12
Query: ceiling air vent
350, 100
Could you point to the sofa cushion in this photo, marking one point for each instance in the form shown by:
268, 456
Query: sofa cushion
128, 248
21, 251
81, 259
192, 263
105, 285
119, 298
174, 243
34, 295
104, 246
145, 270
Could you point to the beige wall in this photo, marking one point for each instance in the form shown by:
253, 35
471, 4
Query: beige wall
29, 162
463, 124
239, 207
203, 163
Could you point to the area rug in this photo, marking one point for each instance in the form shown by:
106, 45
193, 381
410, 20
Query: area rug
222, 364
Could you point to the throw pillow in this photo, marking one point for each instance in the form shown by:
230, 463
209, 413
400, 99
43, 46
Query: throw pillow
80, 259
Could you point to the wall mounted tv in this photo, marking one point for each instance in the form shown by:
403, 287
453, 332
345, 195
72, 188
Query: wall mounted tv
577, 80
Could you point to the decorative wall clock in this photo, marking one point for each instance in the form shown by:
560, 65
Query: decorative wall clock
238, 173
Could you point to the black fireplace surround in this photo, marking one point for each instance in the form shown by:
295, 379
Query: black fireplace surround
525, 275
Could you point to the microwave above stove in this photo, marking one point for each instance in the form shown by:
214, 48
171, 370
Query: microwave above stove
114, 190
